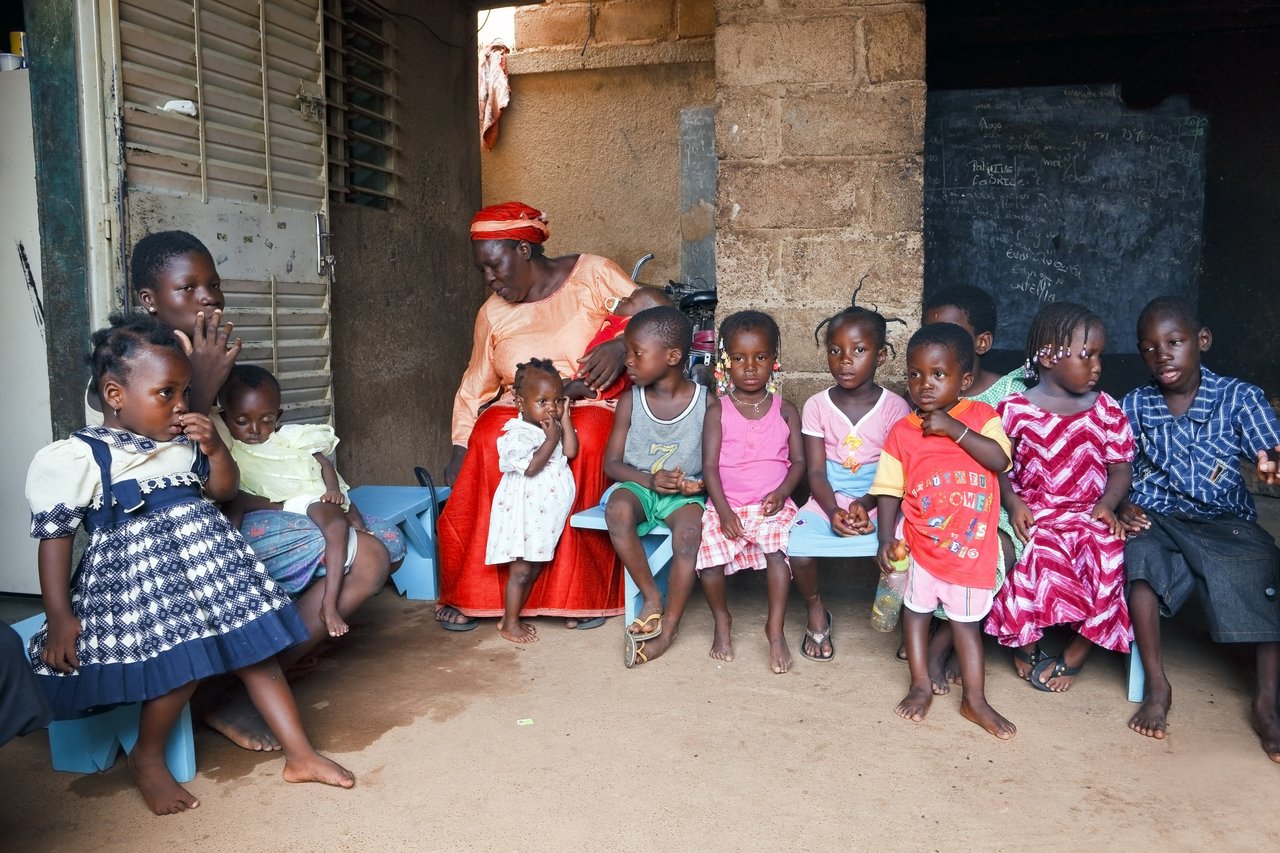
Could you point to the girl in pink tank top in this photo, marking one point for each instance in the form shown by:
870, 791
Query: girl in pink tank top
752, 460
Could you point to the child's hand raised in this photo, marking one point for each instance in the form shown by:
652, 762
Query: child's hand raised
1103, 513
938, 422
551, 428
60, 644
578, 389
1132, 517
198, 428
1269, 466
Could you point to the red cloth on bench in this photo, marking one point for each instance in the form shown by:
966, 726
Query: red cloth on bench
584, 579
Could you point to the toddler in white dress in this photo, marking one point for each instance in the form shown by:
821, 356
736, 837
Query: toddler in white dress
533, 499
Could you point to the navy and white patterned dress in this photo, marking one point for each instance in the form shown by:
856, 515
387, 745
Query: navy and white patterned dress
167, 592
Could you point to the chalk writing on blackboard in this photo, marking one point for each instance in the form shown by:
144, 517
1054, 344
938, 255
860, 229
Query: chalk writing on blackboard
1063, 194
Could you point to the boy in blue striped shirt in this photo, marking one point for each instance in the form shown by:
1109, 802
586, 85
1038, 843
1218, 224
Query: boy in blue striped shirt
1191, 522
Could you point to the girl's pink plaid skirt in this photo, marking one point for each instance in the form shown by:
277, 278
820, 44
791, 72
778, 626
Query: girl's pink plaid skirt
760, 535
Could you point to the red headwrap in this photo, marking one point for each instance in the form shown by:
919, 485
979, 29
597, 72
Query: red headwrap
512, 220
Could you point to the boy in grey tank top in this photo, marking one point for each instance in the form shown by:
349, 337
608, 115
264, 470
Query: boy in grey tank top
655, 456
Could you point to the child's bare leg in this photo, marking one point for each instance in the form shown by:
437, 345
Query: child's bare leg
1073, 655
943, 667
805, 572
915, 631
146, 761
622, 513
973, 704
333, 524
686, 536
235, 717
1144, 611
713, 587
779, 579
1266, 719
520, 577
271, 695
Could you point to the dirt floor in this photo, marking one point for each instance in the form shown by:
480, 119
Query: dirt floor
686, 753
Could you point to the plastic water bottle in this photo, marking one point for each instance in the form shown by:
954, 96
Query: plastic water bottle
888, 601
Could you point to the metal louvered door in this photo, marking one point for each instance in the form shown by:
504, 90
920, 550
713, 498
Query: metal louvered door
219, 107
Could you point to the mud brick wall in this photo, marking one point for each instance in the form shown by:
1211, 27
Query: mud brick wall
820, 135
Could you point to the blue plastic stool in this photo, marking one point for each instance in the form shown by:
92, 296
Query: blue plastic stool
413, 510
1137, 675
657, 547
91, 744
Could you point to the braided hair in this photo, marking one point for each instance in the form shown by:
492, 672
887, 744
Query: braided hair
755, 321
117, 345
1051, 330
546, 365
871, 318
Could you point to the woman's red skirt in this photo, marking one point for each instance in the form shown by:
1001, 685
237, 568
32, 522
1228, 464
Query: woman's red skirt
584, 579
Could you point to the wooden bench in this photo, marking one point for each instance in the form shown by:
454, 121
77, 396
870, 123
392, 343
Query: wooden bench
91, 744
806, 541
414, 510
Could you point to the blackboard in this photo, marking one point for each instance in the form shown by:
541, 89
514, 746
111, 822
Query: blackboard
1063, 194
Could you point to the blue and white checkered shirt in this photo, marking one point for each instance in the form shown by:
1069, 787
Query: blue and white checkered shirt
1190, 465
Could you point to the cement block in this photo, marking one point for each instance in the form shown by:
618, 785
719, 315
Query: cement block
883, 271
634, 20
747, 269
832, 195
551, 26
695, 18
895, 46
898, 199
747, 123
848, 122
813, 50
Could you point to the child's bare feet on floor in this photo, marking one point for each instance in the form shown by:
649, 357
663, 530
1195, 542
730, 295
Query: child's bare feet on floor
522, 632
333, 621
316, 768
161, 791
1266, 723
1151, 717
938, 675
779, 653
721, 643
986, 716
239, 722
915, 705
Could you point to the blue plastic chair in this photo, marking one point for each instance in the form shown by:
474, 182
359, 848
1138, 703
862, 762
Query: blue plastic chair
91, 744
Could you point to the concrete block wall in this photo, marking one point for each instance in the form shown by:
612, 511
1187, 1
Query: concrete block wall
820, 137
568, 23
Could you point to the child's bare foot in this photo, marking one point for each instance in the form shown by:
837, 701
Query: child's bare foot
951, 671
938, 676
721, 643
1267, 724
333, 621
161, 791
521, 632
240, 722
316, 768
915, 705
1150, 718
779, 654
984, 715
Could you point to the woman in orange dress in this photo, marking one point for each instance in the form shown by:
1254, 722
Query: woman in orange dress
540, 307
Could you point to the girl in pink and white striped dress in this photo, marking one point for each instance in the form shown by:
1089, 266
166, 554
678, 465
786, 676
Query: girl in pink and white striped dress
1071, 468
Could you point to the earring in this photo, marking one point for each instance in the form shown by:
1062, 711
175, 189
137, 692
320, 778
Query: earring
774, 378
721, 372
1029, 371
115, 411
151, 310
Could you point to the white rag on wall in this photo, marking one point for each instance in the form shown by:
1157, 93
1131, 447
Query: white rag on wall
495, 91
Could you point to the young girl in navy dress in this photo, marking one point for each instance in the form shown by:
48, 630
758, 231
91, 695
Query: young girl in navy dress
167, 592
752, 460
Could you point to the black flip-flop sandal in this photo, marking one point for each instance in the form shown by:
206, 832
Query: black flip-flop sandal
447, 623
1055, 666
818, 638
1032, 660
